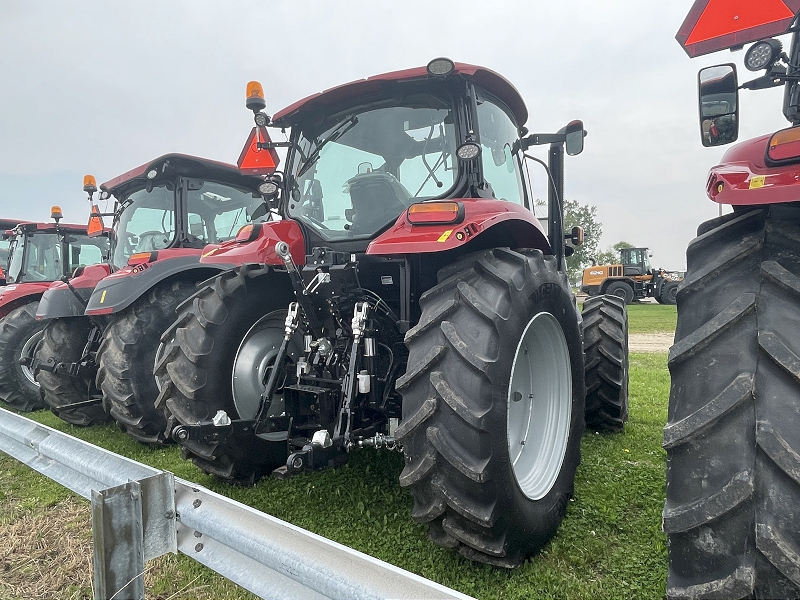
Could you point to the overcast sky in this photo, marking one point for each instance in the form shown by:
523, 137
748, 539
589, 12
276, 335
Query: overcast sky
102, 87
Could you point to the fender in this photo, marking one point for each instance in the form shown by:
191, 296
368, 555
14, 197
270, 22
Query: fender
518, 226
61, 301
122, 288
743, 179
17, 294
256, 245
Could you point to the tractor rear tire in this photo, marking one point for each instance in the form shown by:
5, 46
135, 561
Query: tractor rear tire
498, 341
605, 344
621, 290
20, 333
195, 369
126, 358
63, 342
733, 431
669, 292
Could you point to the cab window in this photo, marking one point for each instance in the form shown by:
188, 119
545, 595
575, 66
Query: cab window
501, 168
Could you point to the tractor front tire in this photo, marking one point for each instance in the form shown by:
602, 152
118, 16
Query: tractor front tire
493, 404
126, 358
196, 369
621, 290
605, 343
733, 430
63, 342
20, 333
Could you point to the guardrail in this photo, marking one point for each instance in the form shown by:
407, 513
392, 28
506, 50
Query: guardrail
139, 513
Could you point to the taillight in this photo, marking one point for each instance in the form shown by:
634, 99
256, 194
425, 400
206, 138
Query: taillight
435, 213
248, 233
784, 145
143, 257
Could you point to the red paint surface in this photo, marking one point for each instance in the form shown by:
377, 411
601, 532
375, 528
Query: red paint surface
11, 295
492, 81
479, 215
740, 171
262, 249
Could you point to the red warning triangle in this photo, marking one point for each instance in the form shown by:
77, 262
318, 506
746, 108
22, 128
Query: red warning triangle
95, 226
258, 161
713, 25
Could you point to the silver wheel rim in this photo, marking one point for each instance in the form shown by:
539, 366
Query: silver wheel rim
254, 357
28, 350
539, 406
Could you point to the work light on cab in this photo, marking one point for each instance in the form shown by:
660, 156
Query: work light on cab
268, 189
440, 67
468, 151
435, 213
763, 54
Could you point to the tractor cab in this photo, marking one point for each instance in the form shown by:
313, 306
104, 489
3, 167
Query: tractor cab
362, 155
46, 252
177, 201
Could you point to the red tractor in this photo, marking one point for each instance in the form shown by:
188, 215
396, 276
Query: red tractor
404, 296
732, 513
39, 253
105, 322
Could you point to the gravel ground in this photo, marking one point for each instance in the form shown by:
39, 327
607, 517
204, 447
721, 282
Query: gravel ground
650, 342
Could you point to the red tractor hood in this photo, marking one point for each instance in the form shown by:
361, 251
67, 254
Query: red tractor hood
743, 178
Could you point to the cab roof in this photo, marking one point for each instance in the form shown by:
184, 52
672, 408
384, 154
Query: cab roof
491, 81
185, 165
51, 228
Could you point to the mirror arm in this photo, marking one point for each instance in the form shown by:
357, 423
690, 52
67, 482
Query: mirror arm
539, 139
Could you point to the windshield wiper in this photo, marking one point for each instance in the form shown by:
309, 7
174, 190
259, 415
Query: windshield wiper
340, 130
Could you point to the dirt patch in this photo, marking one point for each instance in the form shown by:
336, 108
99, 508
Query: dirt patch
650, 342
46, 554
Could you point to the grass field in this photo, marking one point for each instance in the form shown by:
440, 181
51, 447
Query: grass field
609, 546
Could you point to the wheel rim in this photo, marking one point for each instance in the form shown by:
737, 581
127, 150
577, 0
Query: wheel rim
620, 293
28, 351
539, 406
254, 358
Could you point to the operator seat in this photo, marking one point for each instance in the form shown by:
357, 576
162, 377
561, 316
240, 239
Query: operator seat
377, 199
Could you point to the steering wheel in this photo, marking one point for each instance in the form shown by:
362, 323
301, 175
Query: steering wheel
147, 241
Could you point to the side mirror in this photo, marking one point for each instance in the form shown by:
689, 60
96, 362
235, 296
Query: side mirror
718, 91
574, 135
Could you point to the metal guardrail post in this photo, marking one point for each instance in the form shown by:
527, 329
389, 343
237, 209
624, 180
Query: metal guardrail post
131, 524
118, 538
139, 513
